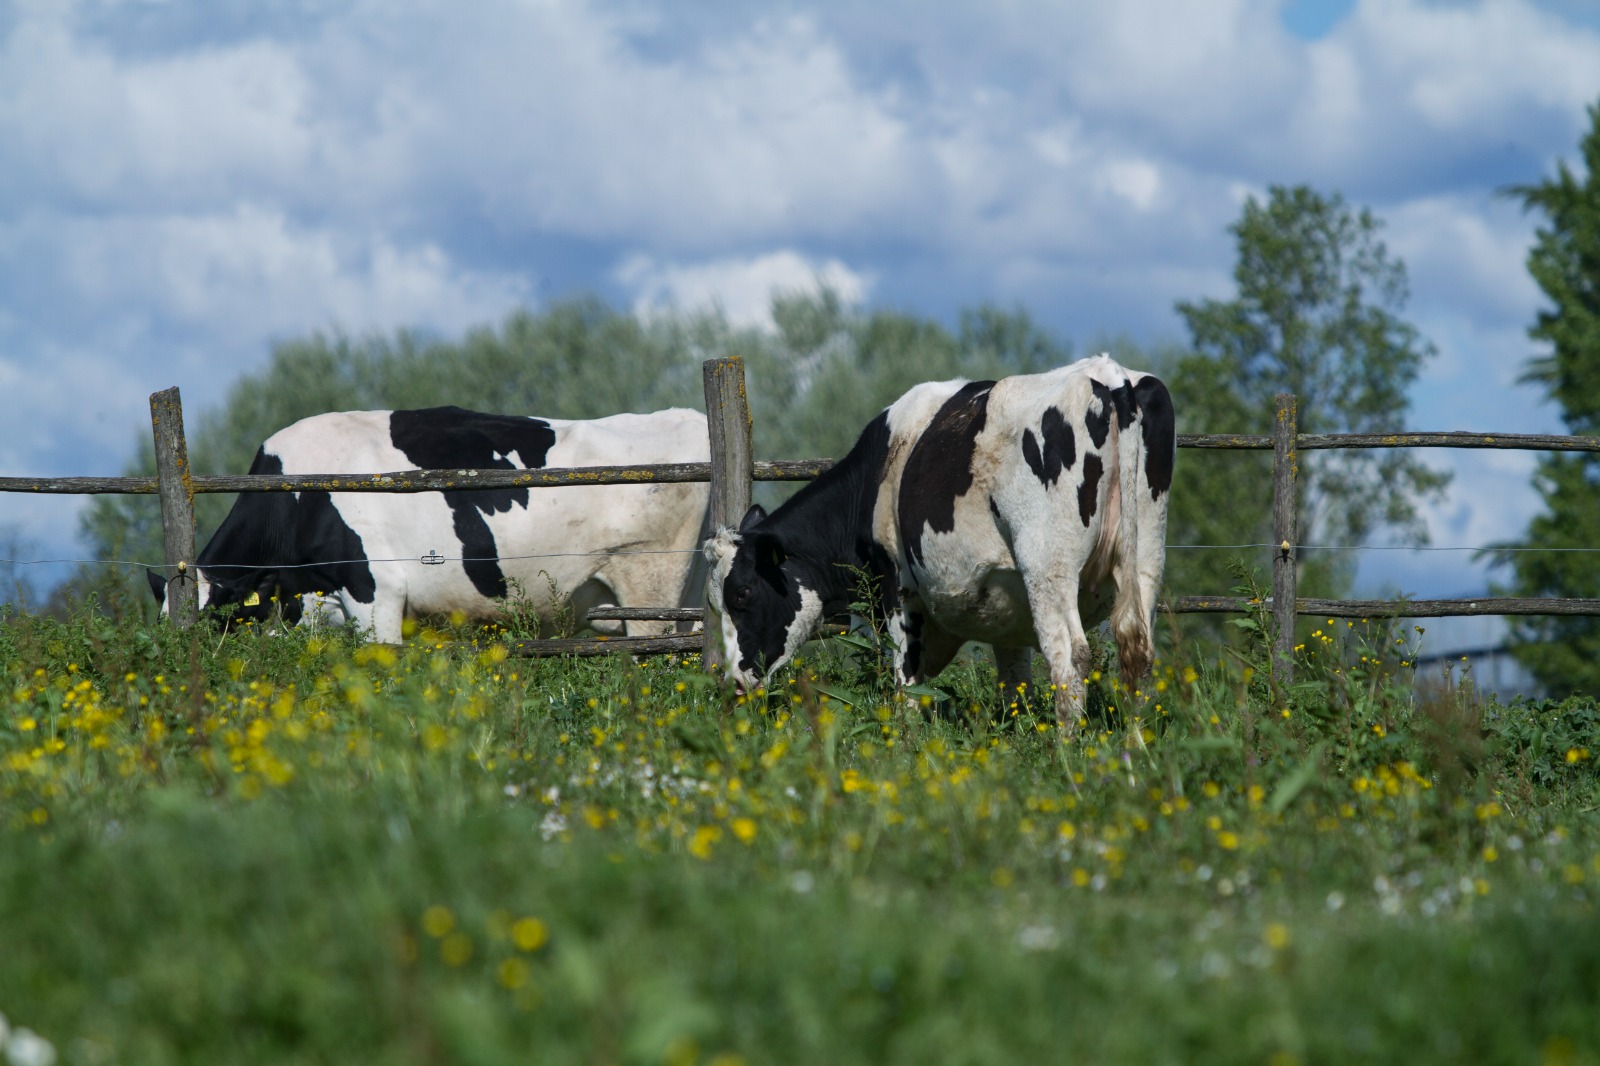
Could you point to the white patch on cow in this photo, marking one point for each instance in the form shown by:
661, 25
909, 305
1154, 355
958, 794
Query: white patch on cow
719, 549
805, 623
202, 591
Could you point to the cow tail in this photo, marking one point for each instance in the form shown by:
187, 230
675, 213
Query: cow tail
1130, 614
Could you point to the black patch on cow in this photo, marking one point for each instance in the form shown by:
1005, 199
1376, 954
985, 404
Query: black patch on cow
1058, 452
939, 469
1089, 490
280, 545
884, 596
450, 438
911, 662
1160, 433
1120, 399
994, 509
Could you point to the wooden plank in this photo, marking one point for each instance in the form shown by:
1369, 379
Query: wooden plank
790, 469
177, 504
1501, 441
686, 644
1285, 561
82, 486
1260, 442
1486, 605
1326, 441
728, 422
645, 614
459, 480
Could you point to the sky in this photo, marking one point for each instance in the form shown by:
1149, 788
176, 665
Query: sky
184, 183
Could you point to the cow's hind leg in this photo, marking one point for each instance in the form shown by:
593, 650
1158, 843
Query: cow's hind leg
1050, 575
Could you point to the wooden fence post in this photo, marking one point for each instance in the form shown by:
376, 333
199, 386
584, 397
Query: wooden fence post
728, 422
1285, 467
177, 504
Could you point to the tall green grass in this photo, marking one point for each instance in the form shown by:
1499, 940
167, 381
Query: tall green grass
295, 848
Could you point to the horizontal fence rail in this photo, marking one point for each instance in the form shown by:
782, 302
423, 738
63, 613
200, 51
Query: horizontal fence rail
1484, 605
421, 480
1327, 441
684, 644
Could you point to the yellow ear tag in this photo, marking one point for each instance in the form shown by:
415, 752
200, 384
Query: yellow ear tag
253, 600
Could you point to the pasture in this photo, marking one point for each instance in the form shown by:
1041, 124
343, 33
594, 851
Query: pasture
298, 848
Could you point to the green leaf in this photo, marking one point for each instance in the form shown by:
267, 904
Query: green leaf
843, 695
854, 641
1290, 787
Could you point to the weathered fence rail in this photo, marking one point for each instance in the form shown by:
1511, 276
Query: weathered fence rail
732, 469
421, 480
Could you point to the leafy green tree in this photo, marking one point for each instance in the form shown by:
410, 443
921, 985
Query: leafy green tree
1563, 653
1317, 314
831, 368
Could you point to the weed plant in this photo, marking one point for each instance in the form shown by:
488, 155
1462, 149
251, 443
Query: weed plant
295, 847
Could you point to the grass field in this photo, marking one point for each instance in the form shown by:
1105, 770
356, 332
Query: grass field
296, 848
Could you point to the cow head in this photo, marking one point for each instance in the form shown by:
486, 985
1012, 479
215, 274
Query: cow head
231, 601
768, 602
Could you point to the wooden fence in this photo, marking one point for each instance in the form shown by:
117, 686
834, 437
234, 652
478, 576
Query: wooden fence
730, 472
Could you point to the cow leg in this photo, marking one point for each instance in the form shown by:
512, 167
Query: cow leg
381, 620
1051, 579
921, 648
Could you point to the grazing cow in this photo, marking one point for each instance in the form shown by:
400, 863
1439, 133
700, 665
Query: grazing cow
1013, 512
377, 558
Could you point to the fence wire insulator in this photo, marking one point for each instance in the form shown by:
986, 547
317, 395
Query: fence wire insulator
433, 558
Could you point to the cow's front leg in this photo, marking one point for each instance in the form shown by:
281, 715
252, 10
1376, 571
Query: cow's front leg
922, 649
381, 620
904, 627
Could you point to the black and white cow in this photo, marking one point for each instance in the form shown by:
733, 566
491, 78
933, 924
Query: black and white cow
360, 556
1013, 512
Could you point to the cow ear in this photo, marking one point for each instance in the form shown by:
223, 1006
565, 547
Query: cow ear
769, 552
752, 517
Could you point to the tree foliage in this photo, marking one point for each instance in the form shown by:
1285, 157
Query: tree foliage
1563, 653
1318, 314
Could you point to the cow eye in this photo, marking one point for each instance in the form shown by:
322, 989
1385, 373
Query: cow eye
739, 597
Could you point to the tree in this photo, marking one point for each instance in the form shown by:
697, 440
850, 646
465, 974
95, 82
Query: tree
1563, 654
1317, 314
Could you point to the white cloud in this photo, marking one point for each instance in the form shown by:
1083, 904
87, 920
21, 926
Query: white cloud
1467, 252
110, 131
1465, 65
741, 288
251, 272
